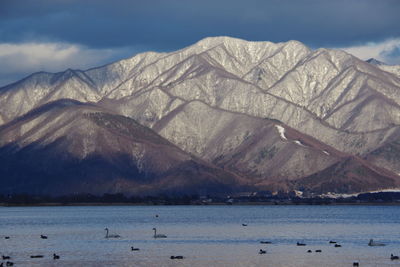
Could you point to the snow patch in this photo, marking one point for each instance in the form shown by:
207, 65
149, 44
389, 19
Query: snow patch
336, 195
299, 143
298, 193
392, 190
281, 131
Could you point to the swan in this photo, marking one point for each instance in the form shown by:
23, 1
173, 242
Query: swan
55, 256
134, 249
36, 256
392, 257
356, 264
112, 235
6, 257
300, 244
43, 237
318, 250
338, 246
9, 263
158, 235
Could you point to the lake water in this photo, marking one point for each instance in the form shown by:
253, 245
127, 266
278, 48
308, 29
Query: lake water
204, 235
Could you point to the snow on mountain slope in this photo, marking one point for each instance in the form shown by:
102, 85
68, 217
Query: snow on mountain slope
185, 95
391, 69
248, 145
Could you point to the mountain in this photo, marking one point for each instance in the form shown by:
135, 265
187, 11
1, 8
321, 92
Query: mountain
274, 116
68, 147
374, 61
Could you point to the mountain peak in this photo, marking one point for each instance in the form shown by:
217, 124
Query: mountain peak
220, 39
374, 61
228, 40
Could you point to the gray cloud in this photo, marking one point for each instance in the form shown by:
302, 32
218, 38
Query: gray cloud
161, 25
392, 56
387, 51
19, 60
172, 24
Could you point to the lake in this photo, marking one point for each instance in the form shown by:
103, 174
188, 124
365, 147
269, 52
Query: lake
204, 235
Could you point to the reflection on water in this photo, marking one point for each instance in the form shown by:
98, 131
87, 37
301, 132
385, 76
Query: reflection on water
204, 235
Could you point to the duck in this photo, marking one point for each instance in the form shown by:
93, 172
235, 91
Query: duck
318, 250
36, 256
111, 235
332, 242
392, 257
244, 224
265, 242
300, 244
134, 249
6, 257
309, 251
356, 264
337, 246
176, 257
43, 236
9, 263
6, 237
262, 251
158, 235
55, 256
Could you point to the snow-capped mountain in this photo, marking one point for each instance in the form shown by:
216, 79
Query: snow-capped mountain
279, 116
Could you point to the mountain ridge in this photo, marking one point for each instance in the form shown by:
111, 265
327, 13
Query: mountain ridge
90, 144
326, 95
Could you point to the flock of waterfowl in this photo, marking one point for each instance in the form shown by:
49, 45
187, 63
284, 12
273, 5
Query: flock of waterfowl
371, 243
261, 251
299, 244
156, 235
56, 257
10, 263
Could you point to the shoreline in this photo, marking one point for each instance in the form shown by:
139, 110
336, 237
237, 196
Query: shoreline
99, 204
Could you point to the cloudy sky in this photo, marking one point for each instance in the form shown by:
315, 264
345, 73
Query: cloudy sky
52, 35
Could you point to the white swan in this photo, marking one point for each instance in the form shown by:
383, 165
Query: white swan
372, 243
112, 235
158, 235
